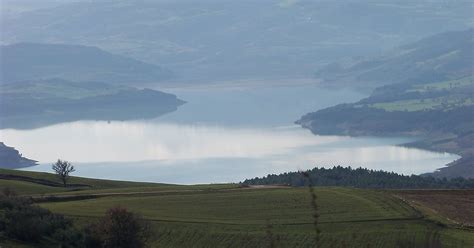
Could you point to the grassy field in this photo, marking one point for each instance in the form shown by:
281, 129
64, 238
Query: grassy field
443, 85
446, 95
425, 104
232, 216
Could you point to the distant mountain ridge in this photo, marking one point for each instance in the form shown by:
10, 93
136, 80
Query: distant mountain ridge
440, 57
226, 39
31, 61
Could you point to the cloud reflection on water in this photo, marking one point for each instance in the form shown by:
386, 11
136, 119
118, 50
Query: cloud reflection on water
185, 153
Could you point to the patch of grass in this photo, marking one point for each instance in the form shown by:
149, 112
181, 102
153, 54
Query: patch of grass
24, 188
443, 85
424, 104
443, 95
93, 184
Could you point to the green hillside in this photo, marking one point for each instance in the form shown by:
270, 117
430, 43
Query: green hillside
440, 114
233, 216
423, 89
441, 95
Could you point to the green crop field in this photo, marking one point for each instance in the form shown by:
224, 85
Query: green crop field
443, 85
232, 216
446, 95
445, 103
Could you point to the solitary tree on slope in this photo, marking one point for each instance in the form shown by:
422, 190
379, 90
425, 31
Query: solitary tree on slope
63, 169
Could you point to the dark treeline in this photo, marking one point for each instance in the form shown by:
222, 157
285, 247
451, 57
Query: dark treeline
361, 178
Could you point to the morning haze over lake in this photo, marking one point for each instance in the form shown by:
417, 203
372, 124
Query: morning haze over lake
253, 123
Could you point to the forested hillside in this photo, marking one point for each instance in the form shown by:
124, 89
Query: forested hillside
359, 178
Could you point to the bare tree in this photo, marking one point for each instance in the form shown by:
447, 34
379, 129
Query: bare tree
63, 169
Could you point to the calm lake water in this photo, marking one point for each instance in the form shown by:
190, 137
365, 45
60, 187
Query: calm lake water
223, 134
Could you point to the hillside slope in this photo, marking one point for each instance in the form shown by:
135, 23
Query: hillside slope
11, 158
37, 103
440, 114
440, 57
29, 61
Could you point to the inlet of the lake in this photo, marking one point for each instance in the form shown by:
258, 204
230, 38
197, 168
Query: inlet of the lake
222, 134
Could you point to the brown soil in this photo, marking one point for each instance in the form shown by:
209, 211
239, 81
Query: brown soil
455, 205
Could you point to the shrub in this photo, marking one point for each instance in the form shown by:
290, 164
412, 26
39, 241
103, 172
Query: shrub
21, 220
119, 228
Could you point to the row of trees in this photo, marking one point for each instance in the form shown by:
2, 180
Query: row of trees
361, 178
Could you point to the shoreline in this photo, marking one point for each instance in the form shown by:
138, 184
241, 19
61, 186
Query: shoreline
420, 142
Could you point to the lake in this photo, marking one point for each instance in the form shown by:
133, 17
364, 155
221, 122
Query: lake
222, 134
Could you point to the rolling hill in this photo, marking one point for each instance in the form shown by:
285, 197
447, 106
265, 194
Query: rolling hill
423, 89
440, 57
32, 61
228, 215
439, 114
37, 103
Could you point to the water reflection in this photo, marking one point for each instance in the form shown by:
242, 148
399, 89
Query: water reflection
178, 153
222, 134
97, 141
